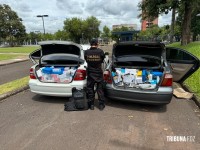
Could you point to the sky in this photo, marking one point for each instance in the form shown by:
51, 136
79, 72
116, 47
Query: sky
110, 13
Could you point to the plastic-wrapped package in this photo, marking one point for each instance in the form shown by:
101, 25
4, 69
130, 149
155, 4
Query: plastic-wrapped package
56, 74
39, 73
55, 77
136, 78
127, 78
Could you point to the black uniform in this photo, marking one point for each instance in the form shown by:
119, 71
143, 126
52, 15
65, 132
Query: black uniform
94, 57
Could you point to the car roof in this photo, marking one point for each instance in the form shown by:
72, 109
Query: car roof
59, 42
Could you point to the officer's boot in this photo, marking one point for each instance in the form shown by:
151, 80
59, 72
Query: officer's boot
101, 105
91, 105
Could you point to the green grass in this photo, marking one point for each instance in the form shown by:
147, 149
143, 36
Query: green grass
193, 48
24, 49
193, 82
8, 56
13, 85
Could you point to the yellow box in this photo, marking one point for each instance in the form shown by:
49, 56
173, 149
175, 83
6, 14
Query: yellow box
139, 73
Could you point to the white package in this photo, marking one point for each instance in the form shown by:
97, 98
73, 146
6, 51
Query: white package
127, 78
119, 79
39, 73
131, 71
138, 80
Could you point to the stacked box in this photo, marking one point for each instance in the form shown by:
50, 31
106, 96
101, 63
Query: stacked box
141, 78
56, 74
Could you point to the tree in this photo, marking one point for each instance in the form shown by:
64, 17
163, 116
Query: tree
152, 8
153, 33
91, 29
195, 26
11, 26
77, 28
61, 35
74, 27
49, 36
106, 32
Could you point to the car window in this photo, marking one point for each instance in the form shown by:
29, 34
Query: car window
150, 50
137, 61
177, 54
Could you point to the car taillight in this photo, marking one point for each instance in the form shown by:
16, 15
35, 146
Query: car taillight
107, 76
168, 80
80, 75
32, 74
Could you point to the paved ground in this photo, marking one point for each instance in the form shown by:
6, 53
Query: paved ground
14, 71
30, 122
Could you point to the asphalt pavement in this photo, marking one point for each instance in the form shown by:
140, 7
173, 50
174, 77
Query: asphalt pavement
29, 122
13, 70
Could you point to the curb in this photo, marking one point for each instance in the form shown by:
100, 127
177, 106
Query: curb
12, 62
194, 98
6, 95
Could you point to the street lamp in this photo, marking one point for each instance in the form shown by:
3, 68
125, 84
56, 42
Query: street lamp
42, 16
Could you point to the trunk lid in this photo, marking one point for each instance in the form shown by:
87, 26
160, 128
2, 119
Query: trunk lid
138, 54
55, 47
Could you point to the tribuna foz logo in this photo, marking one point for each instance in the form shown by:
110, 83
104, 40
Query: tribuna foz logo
180, 138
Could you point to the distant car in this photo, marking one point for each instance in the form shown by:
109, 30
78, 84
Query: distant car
143, 72
58, 67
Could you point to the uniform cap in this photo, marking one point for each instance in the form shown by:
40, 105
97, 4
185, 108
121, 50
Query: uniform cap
94, 42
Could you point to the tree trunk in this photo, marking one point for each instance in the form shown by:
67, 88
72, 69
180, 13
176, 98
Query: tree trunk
194, 37
185, 39
172, 25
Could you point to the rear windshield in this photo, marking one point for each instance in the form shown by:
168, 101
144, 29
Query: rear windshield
138, 49
51, 49
137, 61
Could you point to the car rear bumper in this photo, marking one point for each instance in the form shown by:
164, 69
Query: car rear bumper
55, 89
162, 96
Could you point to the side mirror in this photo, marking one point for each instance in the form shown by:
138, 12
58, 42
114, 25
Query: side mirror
106, 53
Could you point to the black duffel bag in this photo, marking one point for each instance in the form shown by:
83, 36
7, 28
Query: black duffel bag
78, 101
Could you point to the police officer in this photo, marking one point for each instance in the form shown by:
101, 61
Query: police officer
94, 58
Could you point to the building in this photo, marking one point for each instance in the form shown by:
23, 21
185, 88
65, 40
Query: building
129, 26
147, 23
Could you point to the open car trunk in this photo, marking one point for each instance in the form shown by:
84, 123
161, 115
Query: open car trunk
57, 61
58, 68
137, 66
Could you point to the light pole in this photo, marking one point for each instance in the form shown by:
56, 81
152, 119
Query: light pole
42, 16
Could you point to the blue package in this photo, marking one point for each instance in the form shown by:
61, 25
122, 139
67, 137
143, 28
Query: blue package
144, 75
123, 70
47, 70
57, 71
113, 74
62, 68
156, 73
153, 82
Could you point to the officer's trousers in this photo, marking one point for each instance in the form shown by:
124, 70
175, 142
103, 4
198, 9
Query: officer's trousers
90, 89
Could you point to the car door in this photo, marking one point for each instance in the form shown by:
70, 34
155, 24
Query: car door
183, 63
